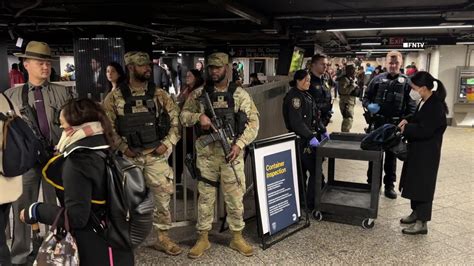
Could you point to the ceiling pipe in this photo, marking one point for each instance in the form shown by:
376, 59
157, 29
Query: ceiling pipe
89, 23
18, 14
332, 17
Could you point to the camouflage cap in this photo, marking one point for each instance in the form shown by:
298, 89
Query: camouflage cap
218, 59
137, 58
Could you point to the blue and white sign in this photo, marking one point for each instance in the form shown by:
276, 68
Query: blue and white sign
276, 171
280, 190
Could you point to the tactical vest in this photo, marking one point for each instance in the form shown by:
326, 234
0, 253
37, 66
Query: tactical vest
323, 96
143, 124
224, 107
390, 96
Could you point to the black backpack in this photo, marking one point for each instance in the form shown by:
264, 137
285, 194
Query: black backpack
130, 203
382, 138
21, 148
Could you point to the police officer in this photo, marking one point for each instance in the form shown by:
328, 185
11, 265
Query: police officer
348, 91
147, 122
301, 116
230, 102
387, 100
320, 88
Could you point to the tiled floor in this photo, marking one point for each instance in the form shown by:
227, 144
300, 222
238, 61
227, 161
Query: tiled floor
449, 241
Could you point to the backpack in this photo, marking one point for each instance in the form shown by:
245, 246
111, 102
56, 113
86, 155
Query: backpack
382, 138
20, 147
130, 203
127, 218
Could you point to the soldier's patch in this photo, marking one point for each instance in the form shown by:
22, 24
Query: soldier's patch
296, 103
401, 79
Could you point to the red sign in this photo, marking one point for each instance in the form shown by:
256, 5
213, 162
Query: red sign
395, 41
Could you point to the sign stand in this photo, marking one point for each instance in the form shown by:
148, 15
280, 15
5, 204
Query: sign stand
283, 198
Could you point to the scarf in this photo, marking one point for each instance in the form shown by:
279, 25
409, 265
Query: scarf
73, 134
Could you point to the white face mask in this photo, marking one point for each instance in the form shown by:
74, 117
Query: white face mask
415, 95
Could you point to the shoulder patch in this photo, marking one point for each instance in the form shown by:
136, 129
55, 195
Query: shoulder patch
296, 102
401, 79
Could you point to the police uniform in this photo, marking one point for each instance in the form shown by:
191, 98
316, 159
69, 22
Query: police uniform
137, 114
301, 115
211, 160
348, 91
391, 93
321, 92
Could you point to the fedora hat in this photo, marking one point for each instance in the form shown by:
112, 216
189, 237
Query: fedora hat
37, 50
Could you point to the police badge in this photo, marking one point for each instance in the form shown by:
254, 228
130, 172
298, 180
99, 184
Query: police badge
296, 103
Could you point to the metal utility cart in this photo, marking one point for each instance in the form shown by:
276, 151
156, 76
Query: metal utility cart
347, 198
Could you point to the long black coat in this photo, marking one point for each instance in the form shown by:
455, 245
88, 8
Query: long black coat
424, 133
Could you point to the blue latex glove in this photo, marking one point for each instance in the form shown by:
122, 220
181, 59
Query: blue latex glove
373, 108
314, 142
326, 135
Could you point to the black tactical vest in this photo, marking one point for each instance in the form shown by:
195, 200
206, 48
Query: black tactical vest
224, 107
390, 96
142, 122
321, 92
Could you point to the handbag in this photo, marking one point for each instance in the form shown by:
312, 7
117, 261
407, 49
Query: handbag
400, 149
59, 247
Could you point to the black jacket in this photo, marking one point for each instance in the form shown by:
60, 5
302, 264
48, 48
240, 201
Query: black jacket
425, 137
84, 179
321, 92
301, 114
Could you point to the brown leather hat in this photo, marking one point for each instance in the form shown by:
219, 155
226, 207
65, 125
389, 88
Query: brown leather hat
37, 50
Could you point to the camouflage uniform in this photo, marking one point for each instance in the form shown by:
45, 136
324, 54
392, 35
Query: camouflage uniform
212, 165
158, 173
347, 102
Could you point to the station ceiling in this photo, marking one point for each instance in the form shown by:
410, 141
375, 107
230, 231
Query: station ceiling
195, 24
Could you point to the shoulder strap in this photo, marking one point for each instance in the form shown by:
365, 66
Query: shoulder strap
24, 95
230, 92
150, 91
125, 90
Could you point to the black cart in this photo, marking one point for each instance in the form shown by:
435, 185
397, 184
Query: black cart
347, 198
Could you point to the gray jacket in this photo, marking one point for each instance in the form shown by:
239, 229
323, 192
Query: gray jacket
54, 96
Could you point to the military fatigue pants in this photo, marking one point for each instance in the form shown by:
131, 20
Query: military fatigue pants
346, 105
159, 178
212, 165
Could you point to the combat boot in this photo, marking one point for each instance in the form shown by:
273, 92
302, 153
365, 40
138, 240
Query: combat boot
238, 243
410, 219
165, 244
417, 228
202, 244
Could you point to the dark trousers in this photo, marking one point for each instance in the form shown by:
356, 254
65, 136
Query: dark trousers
5, 259
422, 209
21, 241
390, 169
308, 161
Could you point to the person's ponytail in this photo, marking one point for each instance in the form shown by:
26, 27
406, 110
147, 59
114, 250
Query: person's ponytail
441, 93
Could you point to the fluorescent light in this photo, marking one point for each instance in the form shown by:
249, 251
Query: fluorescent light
405, 28
370, 43
159, 51
388, 50
465, 43
361, 52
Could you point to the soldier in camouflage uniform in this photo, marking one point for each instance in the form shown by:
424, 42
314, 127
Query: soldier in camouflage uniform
348, 91
151, 156
211, 160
